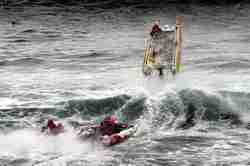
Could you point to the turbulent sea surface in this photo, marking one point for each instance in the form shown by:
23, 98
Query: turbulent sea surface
76, 64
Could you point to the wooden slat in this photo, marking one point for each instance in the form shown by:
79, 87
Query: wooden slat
179, 38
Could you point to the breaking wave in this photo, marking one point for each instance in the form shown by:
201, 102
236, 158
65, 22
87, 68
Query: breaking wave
166, 110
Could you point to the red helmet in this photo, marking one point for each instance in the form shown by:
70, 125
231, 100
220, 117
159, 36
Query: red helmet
51, 124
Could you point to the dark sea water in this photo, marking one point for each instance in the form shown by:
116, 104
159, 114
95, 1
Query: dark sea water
76, 64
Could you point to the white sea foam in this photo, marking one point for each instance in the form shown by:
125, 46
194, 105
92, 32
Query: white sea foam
65, 147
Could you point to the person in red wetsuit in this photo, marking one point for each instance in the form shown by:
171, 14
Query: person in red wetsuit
112, 132
53, 128
110, 125
110, 129
156, 28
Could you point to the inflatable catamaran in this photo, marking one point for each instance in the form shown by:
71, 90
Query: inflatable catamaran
163, 50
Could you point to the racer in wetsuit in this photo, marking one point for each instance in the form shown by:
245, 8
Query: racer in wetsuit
111, 130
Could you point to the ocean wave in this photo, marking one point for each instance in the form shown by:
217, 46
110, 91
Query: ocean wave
94, 54
93, 107
19, 41
209, 107
29, 31
21, 61
189, 104
113, 3
222, 63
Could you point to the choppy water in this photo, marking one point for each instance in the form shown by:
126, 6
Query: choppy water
78, 64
